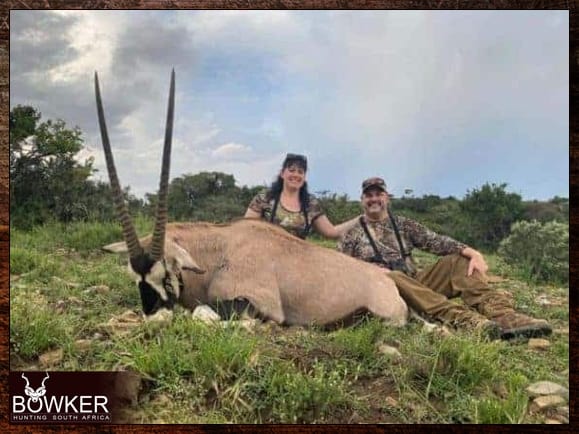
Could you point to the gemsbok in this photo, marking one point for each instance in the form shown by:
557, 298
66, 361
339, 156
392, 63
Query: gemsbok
253, 263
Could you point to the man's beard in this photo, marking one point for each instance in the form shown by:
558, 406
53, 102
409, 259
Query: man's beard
375, 207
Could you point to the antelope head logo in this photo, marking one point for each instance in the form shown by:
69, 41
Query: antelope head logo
35, 395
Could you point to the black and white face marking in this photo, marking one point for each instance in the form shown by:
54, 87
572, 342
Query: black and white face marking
159, 288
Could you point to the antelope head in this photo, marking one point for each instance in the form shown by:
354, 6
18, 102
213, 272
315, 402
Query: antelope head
157, 276
35, 395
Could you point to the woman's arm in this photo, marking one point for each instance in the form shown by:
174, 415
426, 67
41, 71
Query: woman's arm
256, 206
347, 225
251, 214
325, 227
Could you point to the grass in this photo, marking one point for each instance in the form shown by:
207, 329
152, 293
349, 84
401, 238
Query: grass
34, 328
510, 409
198, 373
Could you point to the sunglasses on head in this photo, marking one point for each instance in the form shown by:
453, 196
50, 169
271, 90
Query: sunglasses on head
297, 157
301, 160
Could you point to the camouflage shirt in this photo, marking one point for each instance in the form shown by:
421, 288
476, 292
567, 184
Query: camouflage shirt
291, 221
414, 235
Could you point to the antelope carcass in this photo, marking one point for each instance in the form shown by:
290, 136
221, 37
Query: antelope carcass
281, 277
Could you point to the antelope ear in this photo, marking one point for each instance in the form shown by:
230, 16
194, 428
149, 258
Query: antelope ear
120, 247
181, 258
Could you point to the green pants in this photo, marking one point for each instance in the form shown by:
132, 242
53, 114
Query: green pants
430, 291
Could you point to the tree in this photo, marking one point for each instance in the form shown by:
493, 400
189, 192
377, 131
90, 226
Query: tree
424, 204
23, 120
489, 213
46, 181
338, 208
205, 196
546, 211
442, 215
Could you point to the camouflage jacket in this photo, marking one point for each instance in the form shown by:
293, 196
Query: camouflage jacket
291, 221
414, 235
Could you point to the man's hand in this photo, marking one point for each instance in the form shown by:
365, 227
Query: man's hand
476, 261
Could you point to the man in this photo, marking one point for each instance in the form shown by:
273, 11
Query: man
460, 271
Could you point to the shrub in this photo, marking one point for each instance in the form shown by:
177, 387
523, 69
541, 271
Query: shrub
490, 211
338, 208
539, 251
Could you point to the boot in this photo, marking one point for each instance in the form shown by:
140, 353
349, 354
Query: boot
499, 307
461, 317
477, 323
517, 325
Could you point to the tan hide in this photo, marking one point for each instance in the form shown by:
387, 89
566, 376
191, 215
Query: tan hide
286, 279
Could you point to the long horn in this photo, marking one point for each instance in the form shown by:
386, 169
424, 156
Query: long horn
129, 232
45, 378
158, 242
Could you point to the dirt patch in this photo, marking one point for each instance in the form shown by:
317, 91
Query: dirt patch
18, 363
381, 397
122, 324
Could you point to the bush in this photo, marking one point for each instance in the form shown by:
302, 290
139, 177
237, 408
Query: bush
540, 251
338, 208
489, 213
546, 211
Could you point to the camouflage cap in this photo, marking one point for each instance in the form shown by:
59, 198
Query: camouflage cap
374, 182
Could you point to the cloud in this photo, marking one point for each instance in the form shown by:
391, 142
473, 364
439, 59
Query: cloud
429, 99
231, 151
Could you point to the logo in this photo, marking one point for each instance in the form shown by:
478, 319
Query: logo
68, 400
35, 395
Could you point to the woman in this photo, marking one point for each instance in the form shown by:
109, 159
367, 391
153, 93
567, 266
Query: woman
288, 203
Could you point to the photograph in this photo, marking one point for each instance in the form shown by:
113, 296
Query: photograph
289, 216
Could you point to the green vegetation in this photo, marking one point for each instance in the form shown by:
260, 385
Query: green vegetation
489, 213
540, 252
63, 292
34, 328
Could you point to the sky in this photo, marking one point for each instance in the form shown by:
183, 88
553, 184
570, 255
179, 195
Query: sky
437, 102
